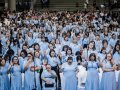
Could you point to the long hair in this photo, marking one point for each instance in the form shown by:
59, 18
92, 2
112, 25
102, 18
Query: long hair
92, 54
110, 59
114, 50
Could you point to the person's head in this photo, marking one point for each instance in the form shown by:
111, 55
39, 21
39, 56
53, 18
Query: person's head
15, 60
116, 48
105, 43
37, 54
103, 50
65, 47
57, 41
97, 37
92, 57
24, 46
79, 59
2, 62
52, 53
113, 36
91, 45
30, 34
23, 53
30, 56
69, 60
36, 46
69, 51
48, 67
108, 56
66, 38
74, 40
51, 46
6, 57
44, 62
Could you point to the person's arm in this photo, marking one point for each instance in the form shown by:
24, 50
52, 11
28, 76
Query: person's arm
27, 65
53, 73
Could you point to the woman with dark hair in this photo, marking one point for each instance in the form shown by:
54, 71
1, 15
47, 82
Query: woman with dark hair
87, 51
31, 68
102, 54
4, 80
16, 78
108, 81
69, 70
116, 53
92, 70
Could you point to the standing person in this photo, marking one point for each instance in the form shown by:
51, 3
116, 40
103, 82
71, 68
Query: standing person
108, 81
119, 74
69, 72
48, 77
4, 80
16, 77
29, 68
92, 70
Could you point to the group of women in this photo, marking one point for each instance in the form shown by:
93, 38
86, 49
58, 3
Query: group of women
59, 50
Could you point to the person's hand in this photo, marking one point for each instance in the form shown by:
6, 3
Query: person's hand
29, 60
32, 69
11, 63
114, 67
47, 82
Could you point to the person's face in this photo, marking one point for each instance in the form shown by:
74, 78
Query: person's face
97, 37
105, 44
103, 51
48, 67
50, 46
22, 54
24, 47
69, 52
66, 38
29, 56
8, 42
114, 36
15, 60
57, 41
92, 58
109, 57
37, 54
75, 41
117, 47
36, 47
91, 45
52, 54
69, 61
3, 62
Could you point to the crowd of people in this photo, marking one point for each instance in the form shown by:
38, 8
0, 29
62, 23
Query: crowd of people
59, 49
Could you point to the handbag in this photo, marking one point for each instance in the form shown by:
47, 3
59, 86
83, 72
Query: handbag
49, 85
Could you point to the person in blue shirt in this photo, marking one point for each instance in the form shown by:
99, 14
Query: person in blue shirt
16, 77
4, 80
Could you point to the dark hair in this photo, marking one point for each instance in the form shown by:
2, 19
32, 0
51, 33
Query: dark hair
24, 51
35, 44
17, 59
65, 46
52, 50
92, 54
104, 41
103, 48
70, 58
79, 58
69, 49
110, 60
114, 50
